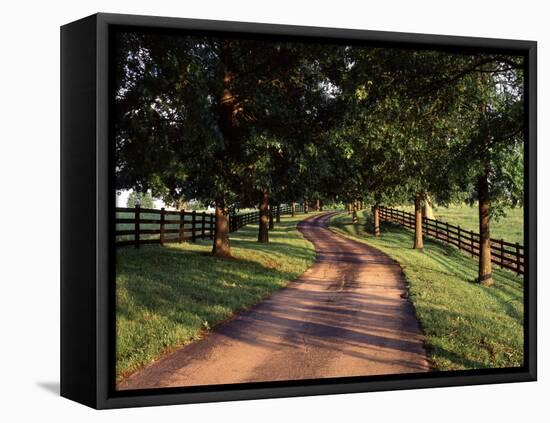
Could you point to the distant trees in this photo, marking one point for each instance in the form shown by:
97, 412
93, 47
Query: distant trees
145, 200
252, 123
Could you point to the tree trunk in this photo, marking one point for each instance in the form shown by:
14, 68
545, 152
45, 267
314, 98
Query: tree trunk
418, 240
263, 233
427, 210
221, 247
306, 208
293, 208
271, 220
278, 214
349, 208
376, 219
485, 268
354, 214
228, 104
317, 205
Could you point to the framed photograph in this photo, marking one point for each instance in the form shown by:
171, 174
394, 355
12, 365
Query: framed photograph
256, 211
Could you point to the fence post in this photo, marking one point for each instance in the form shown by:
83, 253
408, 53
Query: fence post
181, 235
203, 222
136, 225
212, 226
472, 242
271, 219
162, 217
447, 231
193, 225
425, 225
518, 261
459, 243
502, 258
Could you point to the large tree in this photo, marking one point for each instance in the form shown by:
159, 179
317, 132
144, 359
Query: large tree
488, 146
429, 123
206, 118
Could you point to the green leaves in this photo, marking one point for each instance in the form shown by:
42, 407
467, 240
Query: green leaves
200, 117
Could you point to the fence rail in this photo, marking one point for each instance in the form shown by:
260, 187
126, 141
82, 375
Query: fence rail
504, 254
237, 221
137, 226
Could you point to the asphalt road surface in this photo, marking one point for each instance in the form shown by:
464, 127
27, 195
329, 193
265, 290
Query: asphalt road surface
347, 315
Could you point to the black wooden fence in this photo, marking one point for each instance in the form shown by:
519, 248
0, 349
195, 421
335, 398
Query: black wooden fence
505, 254
237, 221
137, 226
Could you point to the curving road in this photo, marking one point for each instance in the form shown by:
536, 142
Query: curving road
347, 315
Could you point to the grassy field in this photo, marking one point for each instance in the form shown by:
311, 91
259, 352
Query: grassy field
467, 326
168, 296
509, 227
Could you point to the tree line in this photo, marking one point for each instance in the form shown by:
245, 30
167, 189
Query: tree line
244, 122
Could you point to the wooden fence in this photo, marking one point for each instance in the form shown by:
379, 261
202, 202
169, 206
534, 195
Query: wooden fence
504, 254
137, 226
237, 221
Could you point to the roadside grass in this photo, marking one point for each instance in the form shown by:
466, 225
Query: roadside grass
509, 227
169, 296
467, 326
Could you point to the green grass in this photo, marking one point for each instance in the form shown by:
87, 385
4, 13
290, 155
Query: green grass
508, 227
467, 326
168, 296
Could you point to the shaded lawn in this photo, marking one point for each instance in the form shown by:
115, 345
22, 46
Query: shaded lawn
509, 227
168, 296
467, 326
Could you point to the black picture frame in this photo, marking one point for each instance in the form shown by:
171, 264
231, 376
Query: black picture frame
87, 224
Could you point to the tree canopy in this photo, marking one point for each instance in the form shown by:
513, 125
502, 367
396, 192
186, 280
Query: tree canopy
235, 121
